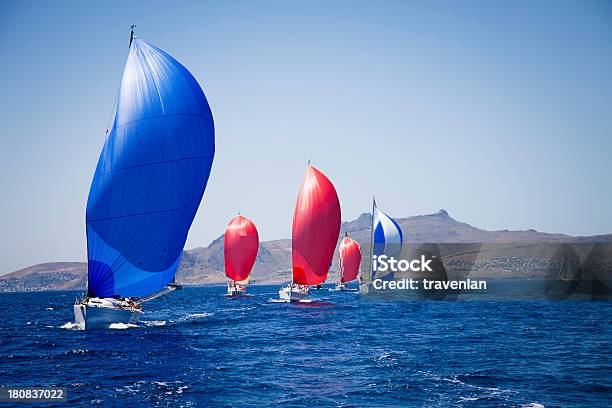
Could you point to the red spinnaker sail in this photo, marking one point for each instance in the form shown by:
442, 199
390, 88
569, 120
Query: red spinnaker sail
350, 258
240, 248
316, 225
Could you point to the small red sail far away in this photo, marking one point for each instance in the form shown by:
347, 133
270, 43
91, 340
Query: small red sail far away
350, 258
240, 248
316, 225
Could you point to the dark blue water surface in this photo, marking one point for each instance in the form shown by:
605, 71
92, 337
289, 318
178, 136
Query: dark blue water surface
196, 348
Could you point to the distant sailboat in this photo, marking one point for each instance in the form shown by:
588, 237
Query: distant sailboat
566, 273
350, 259
148, 184
240, 246
387, 238
316, 225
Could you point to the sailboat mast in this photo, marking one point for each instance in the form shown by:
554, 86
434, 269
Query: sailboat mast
131, 35
372, 239
561, 272
292, 282
340, 263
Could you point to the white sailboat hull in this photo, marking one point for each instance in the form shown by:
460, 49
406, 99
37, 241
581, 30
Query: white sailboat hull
236, 291
101, 317
290, 294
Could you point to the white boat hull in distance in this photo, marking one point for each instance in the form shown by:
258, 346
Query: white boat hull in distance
236, 291
292, 294
341, 286
98, 313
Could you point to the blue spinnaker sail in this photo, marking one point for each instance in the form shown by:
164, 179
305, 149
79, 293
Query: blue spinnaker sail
150, 178
387, 235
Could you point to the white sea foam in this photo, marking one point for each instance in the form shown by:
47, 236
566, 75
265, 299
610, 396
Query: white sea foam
121, 326
272, 300
468, 399
239, 309
171, 387
488, 391
70, 326
533, 405
385, 356
198, 315
193, 316
153, 323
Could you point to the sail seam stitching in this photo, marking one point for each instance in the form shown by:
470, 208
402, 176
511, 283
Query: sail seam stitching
145, 213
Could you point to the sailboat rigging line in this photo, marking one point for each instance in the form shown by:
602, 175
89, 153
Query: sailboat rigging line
157, 294
114, 110
372, 240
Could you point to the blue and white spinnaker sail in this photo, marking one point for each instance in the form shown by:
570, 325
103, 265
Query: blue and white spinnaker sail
150, 178
387, 235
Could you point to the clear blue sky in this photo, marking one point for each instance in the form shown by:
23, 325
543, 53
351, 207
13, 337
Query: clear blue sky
499, 112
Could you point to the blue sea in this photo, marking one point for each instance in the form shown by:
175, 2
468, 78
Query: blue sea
194, 347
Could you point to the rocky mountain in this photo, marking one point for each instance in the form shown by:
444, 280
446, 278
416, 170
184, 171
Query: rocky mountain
46, 276
442, 228
205, 265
